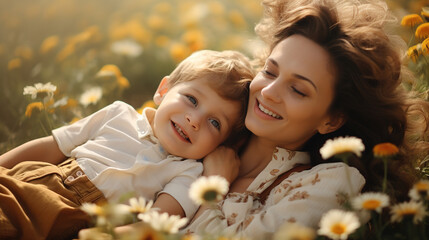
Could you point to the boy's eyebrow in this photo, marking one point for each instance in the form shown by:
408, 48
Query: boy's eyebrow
274, 62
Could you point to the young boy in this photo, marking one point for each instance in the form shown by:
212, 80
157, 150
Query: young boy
114, 151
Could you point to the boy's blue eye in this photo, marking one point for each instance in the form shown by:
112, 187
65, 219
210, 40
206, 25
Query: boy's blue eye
192, 100
215, 123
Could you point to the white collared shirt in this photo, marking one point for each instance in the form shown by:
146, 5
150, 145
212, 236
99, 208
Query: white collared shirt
117, 150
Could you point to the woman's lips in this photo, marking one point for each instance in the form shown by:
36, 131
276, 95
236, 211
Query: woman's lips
265, 112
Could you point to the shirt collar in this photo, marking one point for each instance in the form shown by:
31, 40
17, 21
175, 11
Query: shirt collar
144, 128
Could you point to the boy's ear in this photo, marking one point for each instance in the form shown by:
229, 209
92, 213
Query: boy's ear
161, 91
333, 123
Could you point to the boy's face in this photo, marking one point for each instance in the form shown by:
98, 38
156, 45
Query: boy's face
192, 119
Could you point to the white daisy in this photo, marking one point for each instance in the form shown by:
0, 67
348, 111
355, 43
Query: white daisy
92, 209
294, 231
127, 47
338, 224
139, 205
408, 209
91, 96
163, 222
371, 201
341, 145
208, 189
40, 88
420, 190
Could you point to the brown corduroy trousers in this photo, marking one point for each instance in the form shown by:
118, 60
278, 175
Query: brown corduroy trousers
39, 200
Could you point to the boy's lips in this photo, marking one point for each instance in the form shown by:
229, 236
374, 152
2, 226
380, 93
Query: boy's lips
266, 111
181, 133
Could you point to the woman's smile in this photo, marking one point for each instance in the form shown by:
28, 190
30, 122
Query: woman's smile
267, 111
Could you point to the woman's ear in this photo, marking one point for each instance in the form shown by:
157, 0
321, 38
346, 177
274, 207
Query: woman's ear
161, 91
333, 123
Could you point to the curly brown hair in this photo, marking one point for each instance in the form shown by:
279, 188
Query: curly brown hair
368, 91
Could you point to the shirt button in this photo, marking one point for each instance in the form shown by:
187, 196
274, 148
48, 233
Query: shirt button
70, 178
79, 173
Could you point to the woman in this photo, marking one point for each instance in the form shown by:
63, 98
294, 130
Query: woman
331, 71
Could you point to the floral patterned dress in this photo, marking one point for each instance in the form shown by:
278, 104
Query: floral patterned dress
303, 197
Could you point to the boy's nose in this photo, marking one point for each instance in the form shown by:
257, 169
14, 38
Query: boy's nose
193, 121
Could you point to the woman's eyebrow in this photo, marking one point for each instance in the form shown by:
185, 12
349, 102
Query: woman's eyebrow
305, 79
274, 62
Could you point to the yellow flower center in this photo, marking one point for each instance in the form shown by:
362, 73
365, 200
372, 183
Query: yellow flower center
421, 186
92, 99
408, 212
338, 228
371, 204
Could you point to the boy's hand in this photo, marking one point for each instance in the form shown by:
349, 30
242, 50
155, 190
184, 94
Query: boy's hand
223, 161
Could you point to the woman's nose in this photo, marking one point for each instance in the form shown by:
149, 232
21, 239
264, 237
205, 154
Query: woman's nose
193, 120
271, 92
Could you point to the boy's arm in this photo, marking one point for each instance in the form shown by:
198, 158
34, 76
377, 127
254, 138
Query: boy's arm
166, 203
42, 149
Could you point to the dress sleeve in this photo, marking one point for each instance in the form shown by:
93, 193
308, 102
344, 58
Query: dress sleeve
303, 198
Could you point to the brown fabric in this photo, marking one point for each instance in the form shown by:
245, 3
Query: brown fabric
263, 196
39, 200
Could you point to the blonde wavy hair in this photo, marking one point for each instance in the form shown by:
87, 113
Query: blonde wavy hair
369, 69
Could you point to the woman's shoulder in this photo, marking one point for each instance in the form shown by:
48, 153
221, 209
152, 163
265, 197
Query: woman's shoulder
328, 176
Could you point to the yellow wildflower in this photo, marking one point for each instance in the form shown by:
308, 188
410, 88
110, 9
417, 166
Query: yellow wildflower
109, 70
385, 150
179, 52
194, 39
413, 52
32, 106
149, 103
237, 19
68, 50
411, 20
75, 119
14, 63
48, 44
24, 52
422, 30
162, 41
135, 30
123, 82
156, 22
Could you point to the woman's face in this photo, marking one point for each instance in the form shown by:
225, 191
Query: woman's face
289, 99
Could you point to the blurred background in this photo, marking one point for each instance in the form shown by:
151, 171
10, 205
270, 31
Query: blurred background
99, 51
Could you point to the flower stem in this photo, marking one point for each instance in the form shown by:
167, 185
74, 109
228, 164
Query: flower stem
385, 175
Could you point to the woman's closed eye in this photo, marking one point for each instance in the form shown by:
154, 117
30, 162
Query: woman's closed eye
295, 90
215, 123
192, 100
268, 73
